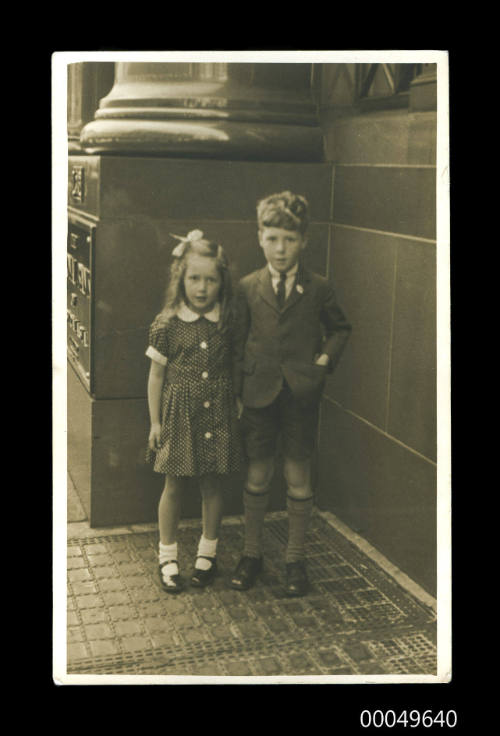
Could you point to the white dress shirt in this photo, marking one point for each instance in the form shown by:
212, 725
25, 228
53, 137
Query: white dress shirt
290, 278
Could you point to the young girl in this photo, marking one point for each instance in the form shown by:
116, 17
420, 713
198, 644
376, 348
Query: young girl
190, 398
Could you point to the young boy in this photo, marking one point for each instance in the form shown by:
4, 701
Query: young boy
289, 333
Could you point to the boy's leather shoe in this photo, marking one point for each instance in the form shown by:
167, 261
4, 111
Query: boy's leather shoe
297, 583
201, 578
246, 572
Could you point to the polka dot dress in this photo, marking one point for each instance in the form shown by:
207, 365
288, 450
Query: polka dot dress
199, 432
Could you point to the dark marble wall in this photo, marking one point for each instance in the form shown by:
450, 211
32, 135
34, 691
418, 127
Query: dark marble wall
377, 445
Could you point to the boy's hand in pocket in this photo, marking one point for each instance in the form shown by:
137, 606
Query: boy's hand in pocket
154, 436
239, 407
322, 359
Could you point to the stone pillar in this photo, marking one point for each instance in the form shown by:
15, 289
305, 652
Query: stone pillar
208, 110
87, 83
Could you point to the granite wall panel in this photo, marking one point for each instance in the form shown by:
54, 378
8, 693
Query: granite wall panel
381, 489
196, 189
412, 397
385, 137
396, 199
362, 270
369, 139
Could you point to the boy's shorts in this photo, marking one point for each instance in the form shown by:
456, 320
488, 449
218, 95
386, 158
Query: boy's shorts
297, 424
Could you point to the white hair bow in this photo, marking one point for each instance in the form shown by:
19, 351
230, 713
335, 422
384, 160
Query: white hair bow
191, 237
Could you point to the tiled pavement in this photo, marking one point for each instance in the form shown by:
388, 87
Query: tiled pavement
356, 620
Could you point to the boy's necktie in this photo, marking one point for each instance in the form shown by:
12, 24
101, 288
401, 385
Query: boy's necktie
280, 291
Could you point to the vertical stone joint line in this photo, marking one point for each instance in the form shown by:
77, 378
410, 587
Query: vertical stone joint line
391, 338
330, 226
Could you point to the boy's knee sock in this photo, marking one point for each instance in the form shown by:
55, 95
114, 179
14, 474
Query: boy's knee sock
299, 515
255, 510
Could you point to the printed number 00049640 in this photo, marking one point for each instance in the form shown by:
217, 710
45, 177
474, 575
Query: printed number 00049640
409, 719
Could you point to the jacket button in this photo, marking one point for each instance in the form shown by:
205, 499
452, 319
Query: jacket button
203, 345
206, 404
204, 374
208, 435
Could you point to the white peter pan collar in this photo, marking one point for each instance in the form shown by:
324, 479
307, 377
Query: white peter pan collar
187, 315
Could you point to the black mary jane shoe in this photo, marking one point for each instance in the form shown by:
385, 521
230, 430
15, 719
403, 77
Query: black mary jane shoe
201, 578
246, 572
174, 583
297, 583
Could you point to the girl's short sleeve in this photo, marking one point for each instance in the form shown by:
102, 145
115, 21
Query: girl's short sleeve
158, 344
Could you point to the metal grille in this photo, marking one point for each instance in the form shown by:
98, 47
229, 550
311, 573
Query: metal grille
356, 619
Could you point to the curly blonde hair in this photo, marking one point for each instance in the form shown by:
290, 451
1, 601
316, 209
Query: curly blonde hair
286, 209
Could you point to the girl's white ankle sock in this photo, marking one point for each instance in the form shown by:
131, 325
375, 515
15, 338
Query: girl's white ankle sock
168, 552
206, 548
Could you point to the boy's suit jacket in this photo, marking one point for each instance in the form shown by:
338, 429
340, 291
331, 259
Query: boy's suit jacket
272, 344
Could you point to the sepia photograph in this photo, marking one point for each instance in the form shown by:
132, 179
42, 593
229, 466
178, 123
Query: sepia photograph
251, 392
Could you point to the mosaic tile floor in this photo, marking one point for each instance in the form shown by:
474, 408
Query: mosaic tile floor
356, 619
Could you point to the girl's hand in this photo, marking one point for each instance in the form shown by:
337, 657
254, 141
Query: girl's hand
154, 436
239, 407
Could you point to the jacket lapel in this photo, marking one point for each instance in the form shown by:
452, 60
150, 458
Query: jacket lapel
300, 285
269, 295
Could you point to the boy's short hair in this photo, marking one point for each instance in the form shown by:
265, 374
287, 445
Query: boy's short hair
286, 210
